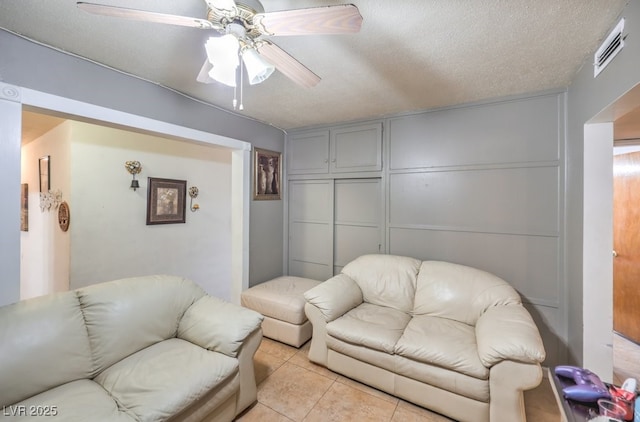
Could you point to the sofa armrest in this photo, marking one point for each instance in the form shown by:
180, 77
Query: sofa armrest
334, 297
216, 325
508, 333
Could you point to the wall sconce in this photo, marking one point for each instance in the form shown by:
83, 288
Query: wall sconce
193, 193
133, 167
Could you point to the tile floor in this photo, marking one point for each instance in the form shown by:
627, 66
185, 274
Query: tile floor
290, 388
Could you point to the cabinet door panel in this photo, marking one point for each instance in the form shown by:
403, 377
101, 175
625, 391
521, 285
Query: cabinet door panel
356, 148
311, 229
354, 241
308, 153
358, 220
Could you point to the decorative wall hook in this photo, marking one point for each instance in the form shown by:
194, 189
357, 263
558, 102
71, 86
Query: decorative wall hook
193, 193
133, 167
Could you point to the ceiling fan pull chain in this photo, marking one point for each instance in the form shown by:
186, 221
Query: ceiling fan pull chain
241, 83
235, 98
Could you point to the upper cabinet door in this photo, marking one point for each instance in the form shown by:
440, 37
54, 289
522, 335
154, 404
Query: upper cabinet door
356, 148
308, 152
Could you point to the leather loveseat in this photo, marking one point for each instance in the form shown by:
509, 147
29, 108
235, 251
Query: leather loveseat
447, 337
152, 348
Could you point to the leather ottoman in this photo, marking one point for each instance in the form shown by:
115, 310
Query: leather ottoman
281, 301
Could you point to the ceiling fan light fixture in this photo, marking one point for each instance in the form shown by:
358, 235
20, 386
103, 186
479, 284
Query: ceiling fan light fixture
222, 54
258, 69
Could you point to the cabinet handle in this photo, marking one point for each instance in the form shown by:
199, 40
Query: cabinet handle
326, 160
333, 160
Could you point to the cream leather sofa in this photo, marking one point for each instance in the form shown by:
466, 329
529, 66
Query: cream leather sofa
447, 337
153, 348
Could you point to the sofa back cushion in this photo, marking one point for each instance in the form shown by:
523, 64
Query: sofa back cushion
127, 315
44, 344
459, 292
385, 280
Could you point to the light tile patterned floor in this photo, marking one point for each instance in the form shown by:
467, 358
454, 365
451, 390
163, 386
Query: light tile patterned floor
290, 388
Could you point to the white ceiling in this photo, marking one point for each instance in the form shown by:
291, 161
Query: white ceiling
409, 55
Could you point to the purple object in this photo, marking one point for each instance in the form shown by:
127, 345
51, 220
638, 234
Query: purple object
588, 387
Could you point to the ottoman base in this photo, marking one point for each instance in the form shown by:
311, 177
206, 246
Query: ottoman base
281, 301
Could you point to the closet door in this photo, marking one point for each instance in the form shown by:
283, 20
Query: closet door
358, 225
311, 229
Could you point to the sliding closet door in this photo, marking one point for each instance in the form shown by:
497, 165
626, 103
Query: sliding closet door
358, 220
311, 229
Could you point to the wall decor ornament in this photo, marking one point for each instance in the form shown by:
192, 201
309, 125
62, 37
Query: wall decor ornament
166, 200
64, 216
44, 166
267, 174
24, 207
50, 199
133, 167
193, 193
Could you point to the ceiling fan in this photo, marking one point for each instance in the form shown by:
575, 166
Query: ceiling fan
241, 28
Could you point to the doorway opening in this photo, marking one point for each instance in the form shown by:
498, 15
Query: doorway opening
238, 162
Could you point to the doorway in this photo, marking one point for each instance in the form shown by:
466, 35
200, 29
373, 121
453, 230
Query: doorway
239, 161
626, 241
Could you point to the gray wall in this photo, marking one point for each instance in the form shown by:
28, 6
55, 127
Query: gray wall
587, 97
28, 65
483, 186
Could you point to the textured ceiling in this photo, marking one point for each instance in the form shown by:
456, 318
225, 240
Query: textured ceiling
409, 55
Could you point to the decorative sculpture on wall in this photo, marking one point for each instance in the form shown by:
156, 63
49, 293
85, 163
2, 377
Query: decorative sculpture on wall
193, 193
133, 167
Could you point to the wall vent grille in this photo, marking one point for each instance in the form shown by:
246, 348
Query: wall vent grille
609, 49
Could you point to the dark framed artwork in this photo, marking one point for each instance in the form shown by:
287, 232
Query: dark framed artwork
267, 174
166, 199
24, 207
43, 167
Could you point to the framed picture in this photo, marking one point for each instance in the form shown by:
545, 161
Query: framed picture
166, 201
24, 207
44, 167
267, 174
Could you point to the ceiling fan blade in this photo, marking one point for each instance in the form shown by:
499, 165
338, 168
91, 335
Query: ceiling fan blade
286, 64
340, 19
142, 15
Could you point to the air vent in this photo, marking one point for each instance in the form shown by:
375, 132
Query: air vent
609, 48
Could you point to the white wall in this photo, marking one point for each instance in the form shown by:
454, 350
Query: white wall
44, 257
109, 235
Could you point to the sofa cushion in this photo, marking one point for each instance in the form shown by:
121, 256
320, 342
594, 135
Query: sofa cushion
369, 325
385, 280
459, 292
76, 401
44, 344
127, 315
443, 342
165, 378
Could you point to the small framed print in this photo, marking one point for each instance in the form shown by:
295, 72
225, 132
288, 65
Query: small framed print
166, 201
267, 171
24, 207
44, 167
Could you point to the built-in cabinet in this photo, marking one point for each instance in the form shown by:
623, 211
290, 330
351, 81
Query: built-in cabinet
347, 149
335, 198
